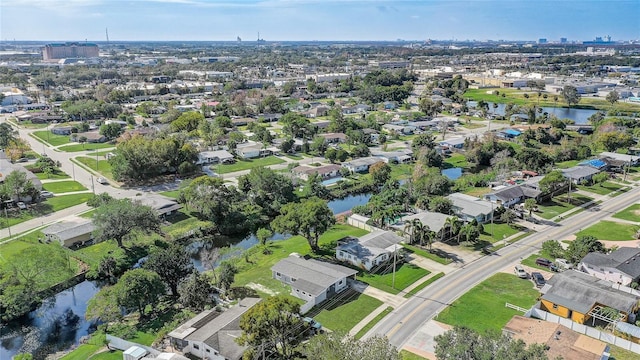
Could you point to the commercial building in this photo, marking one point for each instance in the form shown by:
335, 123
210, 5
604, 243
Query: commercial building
69, 50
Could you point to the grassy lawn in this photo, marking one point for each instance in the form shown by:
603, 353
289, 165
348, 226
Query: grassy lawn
401, 171
57, 175
9, 249
344, 314
294, 156
426, 254
618, 353
457, 160
58, 203
406, 274
63, 186
632, 213
483, 307
601, 189
259, 268
182, 222
500, 232
171, 193
559, 205
53, 204
610, 230
83, 352
567, 164
429, 281
99, 153
478, 191
373, 322
104, 167
531, 260
85, 147
407, 355
247, 164
50, 138
107, 355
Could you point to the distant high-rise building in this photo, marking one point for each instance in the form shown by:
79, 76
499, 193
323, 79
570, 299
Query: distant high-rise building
563, 40
542, 41
70, 50
599, 41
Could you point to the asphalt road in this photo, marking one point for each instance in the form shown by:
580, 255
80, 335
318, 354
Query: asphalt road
404, 321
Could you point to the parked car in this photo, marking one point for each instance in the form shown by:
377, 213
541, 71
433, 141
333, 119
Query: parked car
546, 263
46, 194
21, 205
520, 272
314, 325
538, 279
102, 181
564, 264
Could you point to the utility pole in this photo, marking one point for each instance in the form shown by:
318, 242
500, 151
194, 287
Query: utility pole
393, 279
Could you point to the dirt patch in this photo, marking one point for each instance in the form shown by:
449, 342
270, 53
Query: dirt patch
261, 288
636, 212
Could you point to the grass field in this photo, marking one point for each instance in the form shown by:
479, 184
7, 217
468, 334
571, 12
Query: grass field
59, 187
259, 269
247, 164
407, 355
500, 232
426, 254
429, 281
457, 160
405, 275
611, 230
50, 138
373, 322
478, 191
57, 175
567, 164
103, 167
601, 189
632, 213
344, 314
401, 171
560, 205
85, 147
483, 307
99, 153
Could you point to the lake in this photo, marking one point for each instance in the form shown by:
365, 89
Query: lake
579, 116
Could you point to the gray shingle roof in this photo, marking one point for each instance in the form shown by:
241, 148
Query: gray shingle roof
470, 205
580, 292
509, 193
311, 275
579, 172
65, 230
625, 259
435, 221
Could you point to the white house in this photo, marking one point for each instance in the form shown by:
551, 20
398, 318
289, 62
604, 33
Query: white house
312, 280
211, 334
70, 232
369, 251
362, 164
621, 266
470, 208
214, 157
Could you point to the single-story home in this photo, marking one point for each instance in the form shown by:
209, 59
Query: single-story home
70, 232
399, 129
434, 220
7, 167
163, 205
361, 164
334, 138
509, 133
508, 196
212, 334
632, 160
559, 341
456, 143
368, 251
62, 130
469, 208
312, 280
325, 171
580, 174
578, 296
249, 151
398, 156
621, 266
214, 157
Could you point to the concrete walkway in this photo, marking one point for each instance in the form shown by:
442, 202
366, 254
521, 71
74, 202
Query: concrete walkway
29, 226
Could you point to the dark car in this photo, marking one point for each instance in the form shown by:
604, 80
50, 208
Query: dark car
543, 262
538, 279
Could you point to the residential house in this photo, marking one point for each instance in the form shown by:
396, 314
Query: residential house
62, 130
327, 171
270, 117
456, 143
599, 164
91, 137
399, 129
361, 164
212, 334
214, 157
559, 341
357, 109
399, 156
334, 138
242, 121
7, 167
163, 205
317, 111
621, 266
368, 251
70, 232
509, 134
631, 160
312, 280
579, 174
435, 221
508, 196
249, 150
581, 297
470, 208
373, 134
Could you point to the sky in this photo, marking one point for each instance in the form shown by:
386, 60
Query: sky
299, 20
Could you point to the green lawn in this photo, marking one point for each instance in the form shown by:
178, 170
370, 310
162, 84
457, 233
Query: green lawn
171, 193
9, 249
611, 230
103, 166
567, 164
531, 260
373, 322
407, 355
500, 232
83, 352
85, 147
405, 275
429, 281
58, 203
483, 307
401, 171
426, 254
632, 213
48, 206
247, 164
57, 175
345, 313
108, 355
559, 205
59, 187
259, 268
457, 160
601, 189
50, 138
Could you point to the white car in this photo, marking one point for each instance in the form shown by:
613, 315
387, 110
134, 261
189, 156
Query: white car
520, 272
102, 181
46, 194
21, 205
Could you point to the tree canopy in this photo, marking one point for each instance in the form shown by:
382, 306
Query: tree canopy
309, 219
117, 219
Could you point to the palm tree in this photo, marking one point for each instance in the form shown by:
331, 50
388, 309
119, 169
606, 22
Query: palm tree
418, 230
428, 235
409, 230
453, 224
468, 230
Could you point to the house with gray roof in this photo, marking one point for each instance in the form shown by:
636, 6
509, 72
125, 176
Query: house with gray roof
214, 157
312, 280
368, 251
581, 297
469, 208
621, 266
212, 334
579, 174
362, 164
508, 196
70, 232
163, 205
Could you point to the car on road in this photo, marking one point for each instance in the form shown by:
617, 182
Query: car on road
21, 205
538, 279
102, 181
520, 272
46, 194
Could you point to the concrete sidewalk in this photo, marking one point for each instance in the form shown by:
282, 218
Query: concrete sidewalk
36, 223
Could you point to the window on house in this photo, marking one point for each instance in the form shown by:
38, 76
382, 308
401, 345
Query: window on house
208, 350
555, 306
278, 274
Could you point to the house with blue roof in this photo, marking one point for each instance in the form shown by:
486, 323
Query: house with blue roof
595, 163
509, 133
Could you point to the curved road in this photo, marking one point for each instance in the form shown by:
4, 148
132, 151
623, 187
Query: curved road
404, 321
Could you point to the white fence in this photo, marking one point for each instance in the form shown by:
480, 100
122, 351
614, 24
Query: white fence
583, 329
121, 344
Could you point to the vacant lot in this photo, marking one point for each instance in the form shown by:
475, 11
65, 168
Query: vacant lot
101, 166
59, 187
499, 231
611, 230
601, 189
405, 275
632, 213
247, 164
483, 307
52, 139
84, 147
345, 311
